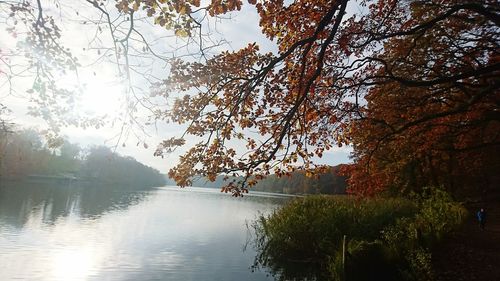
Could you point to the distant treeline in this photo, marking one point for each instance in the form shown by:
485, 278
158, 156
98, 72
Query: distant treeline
23, 155
297, 183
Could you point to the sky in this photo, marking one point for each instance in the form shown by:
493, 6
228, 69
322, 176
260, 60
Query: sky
102, 89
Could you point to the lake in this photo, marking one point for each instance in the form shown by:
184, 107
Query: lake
110, 233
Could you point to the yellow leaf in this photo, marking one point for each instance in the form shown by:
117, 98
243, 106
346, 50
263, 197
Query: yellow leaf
184, 10
181, 33
136, 6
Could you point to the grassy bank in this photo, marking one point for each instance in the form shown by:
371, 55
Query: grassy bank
385, 239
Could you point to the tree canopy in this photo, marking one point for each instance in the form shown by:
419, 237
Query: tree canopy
412, 85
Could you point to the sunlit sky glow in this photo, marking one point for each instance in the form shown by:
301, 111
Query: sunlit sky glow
102, 90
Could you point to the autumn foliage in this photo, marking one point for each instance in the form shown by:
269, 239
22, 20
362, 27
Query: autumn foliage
413, 86
433, 120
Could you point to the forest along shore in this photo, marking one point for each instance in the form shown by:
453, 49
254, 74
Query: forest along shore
470, 253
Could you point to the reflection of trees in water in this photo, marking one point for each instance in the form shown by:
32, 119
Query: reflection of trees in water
271, 259
97, 200
283, 268
21, 202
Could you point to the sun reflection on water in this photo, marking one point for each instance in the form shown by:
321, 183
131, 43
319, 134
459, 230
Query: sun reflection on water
73, 264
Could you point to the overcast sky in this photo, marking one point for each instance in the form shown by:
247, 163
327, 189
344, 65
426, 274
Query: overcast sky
102, 89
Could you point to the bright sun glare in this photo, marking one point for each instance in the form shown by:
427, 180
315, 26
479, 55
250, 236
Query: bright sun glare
100, 97
72, 264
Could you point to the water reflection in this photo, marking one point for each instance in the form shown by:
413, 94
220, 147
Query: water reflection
21, 201
58, 233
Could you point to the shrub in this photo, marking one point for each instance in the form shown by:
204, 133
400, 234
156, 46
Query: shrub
304, 237
388, 239
412, 239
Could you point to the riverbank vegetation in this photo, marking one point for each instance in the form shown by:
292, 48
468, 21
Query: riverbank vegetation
24, 156
385, 238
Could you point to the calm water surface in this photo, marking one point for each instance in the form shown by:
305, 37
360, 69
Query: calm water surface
103, 233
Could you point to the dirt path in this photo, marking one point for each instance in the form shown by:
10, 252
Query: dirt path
471, 254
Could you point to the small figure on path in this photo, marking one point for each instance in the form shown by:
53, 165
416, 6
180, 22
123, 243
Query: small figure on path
481, 217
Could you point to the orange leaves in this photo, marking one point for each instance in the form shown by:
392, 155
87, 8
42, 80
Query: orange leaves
370, 80
343, 44
122, 6
414, 120
311, 115
219, 7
